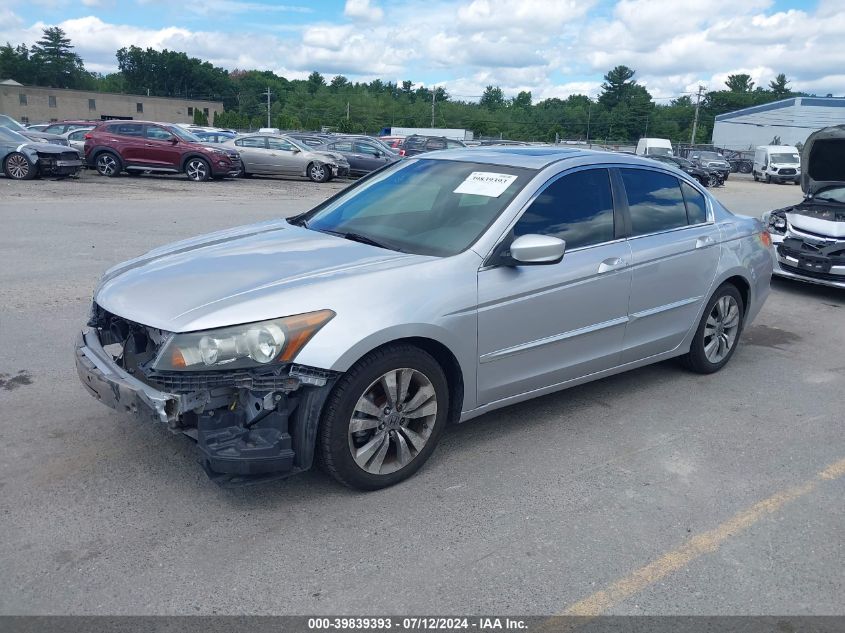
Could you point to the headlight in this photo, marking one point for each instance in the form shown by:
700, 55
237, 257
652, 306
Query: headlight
241, 346
774, 222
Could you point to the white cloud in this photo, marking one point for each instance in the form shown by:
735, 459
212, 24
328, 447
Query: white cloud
552, 48
363, 10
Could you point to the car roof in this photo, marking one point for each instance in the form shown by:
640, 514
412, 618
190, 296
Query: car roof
533, 157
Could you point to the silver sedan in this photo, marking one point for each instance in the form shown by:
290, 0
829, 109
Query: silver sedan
279, 155
433, 291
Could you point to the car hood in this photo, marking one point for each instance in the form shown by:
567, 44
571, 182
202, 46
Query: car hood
818, 219
823, 160
239, 275
43, 136
46, 148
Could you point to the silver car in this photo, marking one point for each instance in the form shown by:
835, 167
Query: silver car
76, 138
433, 291
275, 154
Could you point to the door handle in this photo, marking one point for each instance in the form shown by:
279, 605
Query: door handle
613, 263
705, 241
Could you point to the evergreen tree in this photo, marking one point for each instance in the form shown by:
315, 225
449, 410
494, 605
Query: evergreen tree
56, 63
740, 83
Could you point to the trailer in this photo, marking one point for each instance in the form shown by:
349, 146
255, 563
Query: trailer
452, 133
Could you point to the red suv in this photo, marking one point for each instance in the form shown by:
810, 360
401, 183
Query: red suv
140, 146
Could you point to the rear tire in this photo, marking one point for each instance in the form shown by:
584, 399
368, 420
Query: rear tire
720, 326
385, 447
17, 166
108, 164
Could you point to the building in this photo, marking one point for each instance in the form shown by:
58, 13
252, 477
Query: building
36, 104
785, 122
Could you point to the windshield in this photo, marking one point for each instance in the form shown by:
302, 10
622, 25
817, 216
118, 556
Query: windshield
659, 151
785, 158
184, 134
10, 135
10, 123
711, 155
831, 194
423, 206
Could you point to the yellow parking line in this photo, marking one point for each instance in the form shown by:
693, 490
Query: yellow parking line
696, 547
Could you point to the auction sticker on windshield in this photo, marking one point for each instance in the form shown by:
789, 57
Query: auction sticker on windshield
485, 183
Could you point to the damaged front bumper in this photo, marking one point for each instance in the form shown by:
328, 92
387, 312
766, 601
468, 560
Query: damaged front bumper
793, 259
243, 436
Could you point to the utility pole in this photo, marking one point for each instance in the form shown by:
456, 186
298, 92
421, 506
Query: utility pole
695, 120
268, 93
347, 110
432, 106
589, 112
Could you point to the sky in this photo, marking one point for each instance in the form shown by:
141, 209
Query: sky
552, 48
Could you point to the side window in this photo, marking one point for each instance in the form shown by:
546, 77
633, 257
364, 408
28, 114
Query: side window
278, 143
453, 144
366, 148
577, 208
251, 141
78, 135
654, 200
157, 133
128, 129
343, 146
435, 144
54, 129
696, 205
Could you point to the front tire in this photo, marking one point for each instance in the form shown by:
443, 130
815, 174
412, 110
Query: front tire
716, 338
383, 418
197, 169
17, 166
319, 173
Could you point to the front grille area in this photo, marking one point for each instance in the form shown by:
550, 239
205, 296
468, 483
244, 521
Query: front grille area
184, 381
787, 171
69, 156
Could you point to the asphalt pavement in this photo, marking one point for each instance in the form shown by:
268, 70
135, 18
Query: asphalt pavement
653, 492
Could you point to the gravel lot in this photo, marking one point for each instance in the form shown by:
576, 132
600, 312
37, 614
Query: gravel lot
527, 510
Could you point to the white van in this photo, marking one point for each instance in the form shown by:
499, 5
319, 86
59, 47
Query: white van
654, 146
778, 163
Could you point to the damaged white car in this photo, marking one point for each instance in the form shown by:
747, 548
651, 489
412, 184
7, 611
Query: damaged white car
808, 239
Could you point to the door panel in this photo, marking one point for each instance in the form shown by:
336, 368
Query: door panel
672, 270
252, 150
158, 151
542, 325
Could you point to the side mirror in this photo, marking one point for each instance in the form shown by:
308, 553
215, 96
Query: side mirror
537, 249
173, 140
378, 154
296, 150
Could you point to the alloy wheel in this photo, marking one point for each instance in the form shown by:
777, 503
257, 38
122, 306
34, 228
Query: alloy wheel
106, 164
197, 170
17, 166
318, 173
392, 421
721, 329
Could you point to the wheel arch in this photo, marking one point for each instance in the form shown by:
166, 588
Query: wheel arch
191, 155
100, 149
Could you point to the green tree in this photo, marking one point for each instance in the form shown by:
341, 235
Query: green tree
15, 64
617, 85
55, 63
199, 117
522, 100
493, 98
315, 82
780, 86
740, 83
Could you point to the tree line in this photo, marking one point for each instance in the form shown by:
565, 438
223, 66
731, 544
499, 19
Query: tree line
623, 111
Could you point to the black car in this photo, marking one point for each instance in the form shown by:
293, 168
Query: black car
22, 159
416, 144
707, 177
711, 160
362, 154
